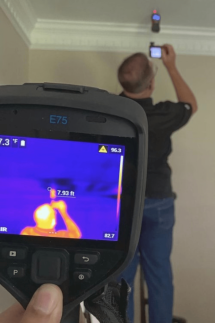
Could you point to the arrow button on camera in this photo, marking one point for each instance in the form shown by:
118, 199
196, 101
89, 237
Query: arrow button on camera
86, 259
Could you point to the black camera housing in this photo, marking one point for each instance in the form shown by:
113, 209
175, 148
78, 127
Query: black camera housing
156, 18
94, 116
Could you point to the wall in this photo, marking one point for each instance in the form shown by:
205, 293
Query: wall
14, 54
86, 68
192, 161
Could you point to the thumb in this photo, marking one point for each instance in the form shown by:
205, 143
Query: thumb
46, 306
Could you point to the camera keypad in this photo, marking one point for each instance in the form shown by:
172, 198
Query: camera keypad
76, 271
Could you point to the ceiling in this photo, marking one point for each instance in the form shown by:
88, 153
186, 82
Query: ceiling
113, 25
191, 13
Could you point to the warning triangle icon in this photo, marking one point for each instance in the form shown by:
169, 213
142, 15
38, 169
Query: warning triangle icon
103, 149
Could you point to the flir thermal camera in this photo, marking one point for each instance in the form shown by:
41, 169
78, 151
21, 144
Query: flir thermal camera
156, 18
72, 172
155, 51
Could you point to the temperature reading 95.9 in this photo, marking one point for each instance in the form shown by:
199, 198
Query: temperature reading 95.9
116, 150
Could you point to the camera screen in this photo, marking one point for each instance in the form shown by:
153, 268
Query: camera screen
156, 17
60, 189
155, 52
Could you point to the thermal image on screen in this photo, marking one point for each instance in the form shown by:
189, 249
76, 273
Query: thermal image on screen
61, 189
156, 52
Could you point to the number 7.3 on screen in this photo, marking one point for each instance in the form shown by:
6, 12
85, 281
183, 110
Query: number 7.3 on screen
5, 142
12, 142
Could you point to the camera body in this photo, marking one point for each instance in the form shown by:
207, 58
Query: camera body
156, 18
74, 164
155, 51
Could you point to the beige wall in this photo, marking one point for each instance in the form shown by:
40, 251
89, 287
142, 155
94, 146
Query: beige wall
14, 54
193, 161
88, 68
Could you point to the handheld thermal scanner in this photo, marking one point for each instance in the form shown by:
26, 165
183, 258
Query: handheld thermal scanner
72, 173
156, 18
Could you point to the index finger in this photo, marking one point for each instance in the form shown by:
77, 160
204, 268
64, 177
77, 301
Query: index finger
169, 48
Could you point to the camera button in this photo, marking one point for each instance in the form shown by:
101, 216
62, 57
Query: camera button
50, 266
16, 271
14, 253
82, 275
86, 258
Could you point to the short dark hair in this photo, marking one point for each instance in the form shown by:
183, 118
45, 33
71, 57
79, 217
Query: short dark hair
135, 73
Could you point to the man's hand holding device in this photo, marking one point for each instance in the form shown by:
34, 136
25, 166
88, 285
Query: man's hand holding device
46, 306
165, 52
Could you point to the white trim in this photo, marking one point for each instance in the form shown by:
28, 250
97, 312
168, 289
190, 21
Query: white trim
106, 37
22, 17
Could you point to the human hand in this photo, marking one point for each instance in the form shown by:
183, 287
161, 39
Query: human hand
60, 206
46, 306
168, 56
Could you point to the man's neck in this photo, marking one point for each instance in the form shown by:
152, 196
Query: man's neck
141, 95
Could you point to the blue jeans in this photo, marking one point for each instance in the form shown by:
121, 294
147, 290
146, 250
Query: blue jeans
153, 253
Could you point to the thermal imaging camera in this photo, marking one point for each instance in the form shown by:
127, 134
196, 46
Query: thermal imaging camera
155, 51
72, 173
156, 18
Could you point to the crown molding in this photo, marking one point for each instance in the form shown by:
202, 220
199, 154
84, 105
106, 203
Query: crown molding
109, 37
106, 37
21, 15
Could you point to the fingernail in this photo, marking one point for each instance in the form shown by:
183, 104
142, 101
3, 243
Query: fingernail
45, 299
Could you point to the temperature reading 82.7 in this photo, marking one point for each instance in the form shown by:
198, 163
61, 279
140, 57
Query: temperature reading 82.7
109, 235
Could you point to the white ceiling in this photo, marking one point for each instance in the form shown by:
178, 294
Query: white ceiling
113, 25
191, 13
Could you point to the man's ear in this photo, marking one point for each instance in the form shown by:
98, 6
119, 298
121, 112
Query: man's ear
152, 85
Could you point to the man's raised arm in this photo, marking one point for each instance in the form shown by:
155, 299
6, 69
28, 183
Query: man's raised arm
73, 229
184, 93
